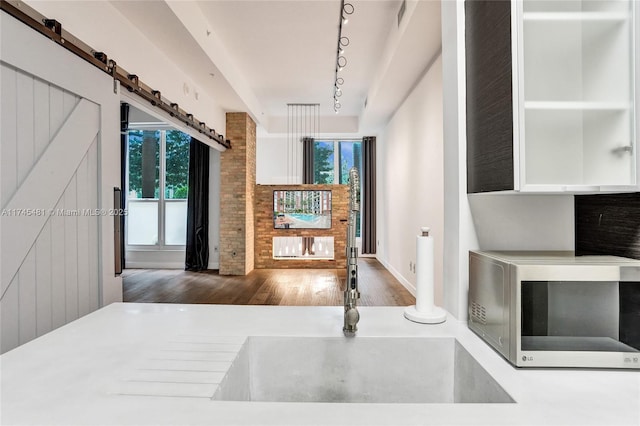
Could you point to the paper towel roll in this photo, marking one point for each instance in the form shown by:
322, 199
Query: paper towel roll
424, 273
425, 311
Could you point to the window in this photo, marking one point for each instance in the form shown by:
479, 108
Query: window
158, 179
331, 168
332, 161
323, 162
350, 154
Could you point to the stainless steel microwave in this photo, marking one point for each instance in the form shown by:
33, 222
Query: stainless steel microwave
555, 309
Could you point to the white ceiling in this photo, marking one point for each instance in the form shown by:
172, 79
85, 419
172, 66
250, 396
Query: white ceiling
259, 55
287, 49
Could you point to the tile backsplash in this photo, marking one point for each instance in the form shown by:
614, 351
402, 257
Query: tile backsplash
608, 224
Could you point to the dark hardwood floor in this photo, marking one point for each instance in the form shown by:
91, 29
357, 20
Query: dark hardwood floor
293, 287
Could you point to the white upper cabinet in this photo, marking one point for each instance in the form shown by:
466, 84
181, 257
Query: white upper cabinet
576, 81
574, 77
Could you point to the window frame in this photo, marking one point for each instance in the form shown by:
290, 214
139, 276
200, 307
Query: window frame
337, 157
161, 200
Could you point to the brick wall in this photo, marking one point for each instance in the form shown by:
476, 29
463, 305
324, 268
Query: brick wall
238, 182
264, 231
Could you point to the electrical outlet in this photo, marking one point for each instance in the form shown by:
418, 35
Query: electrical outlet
410, 266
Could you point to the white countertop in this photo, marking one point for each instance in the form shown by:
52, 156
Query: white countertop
106, 368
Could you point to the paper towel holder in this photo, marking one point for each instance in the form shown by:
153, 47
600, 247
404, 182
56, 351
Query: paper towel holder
425, 311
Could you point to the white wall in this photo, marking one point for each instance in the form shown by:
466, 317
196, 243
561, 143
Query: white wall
278, 160
459, 230
523, 222
410, 180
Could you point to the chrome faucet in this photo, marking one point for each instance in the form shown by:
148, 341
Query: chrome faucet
351, 293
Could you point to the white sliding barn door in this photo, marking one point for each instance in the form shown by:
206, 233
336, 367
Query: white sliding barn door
59, 161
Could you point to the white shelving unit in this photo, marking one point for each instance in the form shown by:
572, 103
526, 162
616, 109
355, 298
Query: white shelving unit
575, 94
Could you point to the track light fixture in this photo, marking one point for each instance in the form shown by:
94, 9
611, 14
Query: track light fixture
342, 62
346, 9
342, 43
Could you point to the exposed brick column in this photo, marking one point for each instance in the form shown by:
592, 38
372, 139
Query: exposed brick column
238, 181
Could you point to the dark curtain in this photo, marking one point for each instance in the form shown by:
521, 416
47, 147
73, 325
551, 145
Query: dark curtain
368, 228
307, 178
124, 127
307, 160
197, 250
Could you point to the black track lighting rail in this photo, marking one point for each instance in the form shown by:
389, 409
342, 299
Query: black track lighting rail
346, 9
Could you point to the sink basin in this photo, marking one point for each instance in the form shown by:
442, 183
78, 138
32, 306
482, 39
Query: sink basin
360, 369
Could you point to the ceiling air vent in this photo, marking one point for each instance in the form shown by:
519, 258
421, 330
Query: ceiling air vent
403, 8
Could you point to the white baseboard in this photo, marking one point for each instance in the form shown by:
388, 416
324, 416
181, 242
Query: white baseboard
406, 284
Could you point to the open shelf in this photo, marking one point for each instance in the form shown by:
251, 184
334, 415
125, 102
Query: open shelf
577, 106
575, 147
578, 60
577, 16
573, 6
303, 248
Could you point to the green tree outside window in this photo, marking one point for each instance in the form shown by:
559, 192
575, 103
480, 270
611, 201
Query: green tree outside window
177, 169
323, 162
177, 164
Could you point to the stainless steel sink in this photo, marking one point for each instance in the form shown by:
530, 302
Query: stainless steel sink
360, 370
